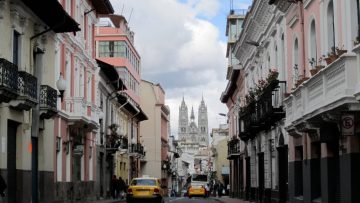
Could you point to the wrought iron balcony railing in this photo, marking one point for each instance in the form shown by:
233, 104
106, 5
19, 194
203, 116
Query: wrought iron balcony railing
233, 148
137, 149
264, 112
8, 80
48, 101
27, 88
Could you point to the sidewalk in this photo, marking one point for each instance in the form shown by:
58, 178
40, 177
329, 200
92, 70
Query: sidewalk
227, 199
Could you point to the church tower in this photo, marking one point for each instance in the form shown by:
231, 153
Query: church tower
203, 137
183, 121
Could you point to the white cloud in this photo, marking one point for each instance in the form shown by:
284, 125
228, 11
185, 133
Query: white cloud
181, 50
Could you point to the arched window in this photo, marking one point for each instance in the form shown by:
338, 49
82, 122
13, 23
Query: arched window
296, 61
358, 18
313, 54
331, 26
276, 56
282, 56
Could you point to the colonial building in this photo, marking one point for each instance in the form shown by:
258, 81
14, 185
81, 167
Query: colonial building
78, 121
313, 48
28, 98
111, 141
231, 97
322, 109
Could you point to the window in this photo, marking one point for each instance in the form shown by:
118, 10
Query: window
313, 54
331, 26
112, 49
16, 48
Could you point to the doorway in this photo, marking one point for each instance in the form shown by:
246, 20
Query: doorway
261, 177
11, 161
283, 173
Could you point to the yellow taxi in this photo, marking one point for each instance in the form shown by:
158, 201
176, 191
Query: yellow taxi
147, 189
196, 190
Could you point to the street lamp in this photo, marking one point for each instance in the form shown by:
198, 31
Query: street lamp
61, 86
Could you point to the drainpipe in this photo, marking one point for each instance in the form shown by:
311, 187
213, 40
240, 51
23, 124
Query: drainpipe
36, 120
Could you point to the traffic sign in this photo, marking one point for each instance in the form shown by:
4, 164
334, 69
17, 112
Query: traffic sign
347, 124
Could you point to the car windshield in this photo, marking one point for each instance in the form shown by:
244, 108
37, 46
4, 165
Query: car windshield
143, 182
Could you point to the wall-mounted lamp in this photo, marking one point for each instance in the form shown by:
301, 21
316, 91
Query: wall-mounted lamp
61, 86
133, 140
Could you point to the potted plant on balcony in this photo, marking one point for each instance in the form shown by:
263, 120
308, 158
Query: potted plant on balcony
340, 50
331, 56
316, 65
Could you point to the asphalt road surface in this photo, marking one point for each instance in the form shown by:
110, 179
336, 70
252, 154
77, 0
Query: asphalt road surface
192, 200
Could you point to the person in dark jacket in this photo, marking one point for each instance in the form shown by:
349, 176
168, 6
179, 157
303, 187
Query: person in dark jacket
122, 188
220, 189
3, 186
113, 185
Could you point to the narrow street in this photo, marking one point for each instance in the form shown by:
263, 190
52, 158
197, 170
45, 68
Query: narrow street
224, 199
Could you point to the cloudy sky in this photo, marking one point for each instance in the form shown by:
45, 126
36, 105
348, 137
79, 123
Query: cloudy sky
182, 45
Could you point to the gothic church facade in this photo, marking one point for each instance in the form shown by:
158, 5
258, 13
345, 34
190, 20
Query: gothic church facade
193, 136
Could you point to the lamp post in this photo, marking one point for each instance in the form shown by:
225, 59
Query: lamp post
61, 86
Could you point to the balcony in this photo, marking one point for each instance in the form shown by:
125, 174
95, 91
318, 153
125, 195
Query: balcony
136, 150
48, 101
82, 112
331, 88
8, 81
27, 87
264, 111
282, 5
233, 149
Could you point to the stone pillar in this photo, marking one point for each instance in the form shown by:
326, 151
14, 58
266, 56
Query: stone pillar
350, 169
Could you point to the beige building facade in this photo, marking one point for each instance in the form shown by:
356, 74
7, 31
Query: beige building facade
155, 131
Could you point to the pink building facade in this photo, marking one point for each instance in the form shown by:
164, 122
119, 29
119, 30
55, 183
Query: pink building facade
322, 109
77, 123
299, 110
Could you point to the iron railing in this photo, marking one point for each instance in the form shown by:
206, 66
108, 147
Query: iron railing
8, 80
27, 84
48, 97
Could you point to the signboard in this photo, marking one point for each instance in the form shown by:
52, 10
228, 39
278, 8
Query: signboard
347, 124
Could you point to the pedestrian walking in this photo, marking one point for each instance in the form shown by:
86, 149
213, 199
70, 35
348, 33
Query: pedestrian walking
3, 186
122, 188
216, 188
113, 185
220, 189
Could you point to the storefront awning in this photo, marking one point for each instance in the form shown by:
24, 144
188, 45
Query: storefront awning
53, 15
135, 110
102, 6
111, 73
